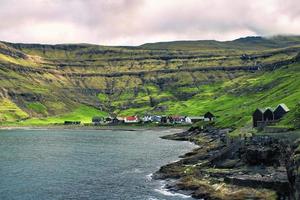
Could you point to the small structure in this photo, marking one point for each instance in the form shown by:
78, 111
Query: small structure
269, 114
97, 120
146, 119
177, 119
131, 119
280, 111
165, 120
187, 120
115, 121
72, 122
196, 119
209, 116
258, 116
156, 118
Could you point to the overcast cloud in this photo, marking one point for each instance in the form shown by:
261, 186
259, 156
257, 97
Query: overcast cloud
133, 22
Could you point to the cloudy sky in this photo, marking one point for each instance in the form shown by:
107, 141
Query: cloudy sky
133, 22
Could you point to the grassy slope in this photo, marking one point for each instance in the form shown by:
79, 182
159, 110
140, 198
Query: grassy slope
82, 113
46, 97
234, 101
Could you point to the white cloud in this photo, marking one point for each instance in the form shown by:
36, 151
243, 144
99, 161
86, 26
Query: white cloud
130, 22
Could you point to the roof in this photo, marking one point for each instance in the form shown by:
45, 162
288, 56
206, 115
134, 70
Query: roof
131, 118
283, 106
201, 117
269, 108
209, 113
261, 109
177, 117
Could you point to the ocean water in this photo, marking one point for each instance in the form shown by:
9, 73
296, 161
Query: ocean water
82, 164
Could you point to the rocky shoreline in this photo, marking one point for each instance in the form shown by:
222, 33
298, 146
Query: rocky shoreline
260, 167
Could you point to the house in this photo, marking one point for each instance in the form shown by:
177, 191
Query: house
146, 119
72, 122
165, 120
156, 118
209, 116
268, 114
97, 120
280, 111
258, 116
177, 119
115, 120
196, 119
187, 120
131, 119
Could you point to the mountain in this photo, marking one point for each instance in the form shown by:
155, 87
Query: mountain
42, 84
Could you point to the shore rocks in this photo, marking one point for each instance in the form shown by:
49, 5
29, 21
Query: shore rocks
258, 155
293, 168
251, 169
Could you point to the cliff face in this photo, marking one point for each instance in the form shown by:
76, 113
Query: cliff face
294, 171
170, 78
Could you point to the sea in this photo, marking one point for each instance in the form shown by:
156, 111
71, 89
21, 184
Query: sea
86, 164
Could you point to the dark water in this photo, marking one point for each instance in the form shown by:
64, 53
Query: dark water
67, 164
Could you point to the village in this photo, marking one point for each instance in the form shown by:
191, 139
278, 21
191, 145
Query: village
261, 118
147, 119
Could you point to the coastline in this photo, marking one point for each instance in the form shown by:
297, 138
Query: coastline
214, 170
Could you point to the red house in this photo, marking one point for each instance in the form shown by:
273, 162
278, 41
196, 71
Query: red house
131, 119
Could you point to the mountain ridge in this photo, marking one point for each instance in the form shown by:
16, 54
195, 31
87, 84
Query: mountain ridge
38, 87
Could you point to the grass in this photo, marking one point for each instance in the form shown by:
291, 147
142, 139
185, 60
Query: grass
10, 112
231, 95
37, 107
83, 113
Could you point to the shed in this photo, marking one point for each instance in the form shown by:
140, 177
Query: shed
164, 119
269, 114
115, 120
72, 122
208, 116
97, 120
257, 116
196, 119
280, 111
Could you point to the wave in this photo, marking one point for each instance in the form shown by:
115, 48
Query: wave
163, 190
149, 177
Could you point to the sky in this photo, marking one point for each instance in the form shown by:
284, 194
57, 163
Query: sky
134, 22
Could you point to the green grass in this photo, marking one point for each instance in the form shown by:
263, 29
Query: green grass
83, 113
103, 97
37, 107
10, 112
231, 95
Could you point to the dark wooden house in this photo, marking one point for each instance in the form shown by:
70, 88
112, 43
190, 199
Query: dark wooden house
269, 114
196, 119
97, 120
115, 120
280, 111
208, 116
257, 116
72, 122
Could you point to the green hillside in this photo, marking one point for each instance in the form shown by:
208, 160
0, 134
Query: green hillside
45, 84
